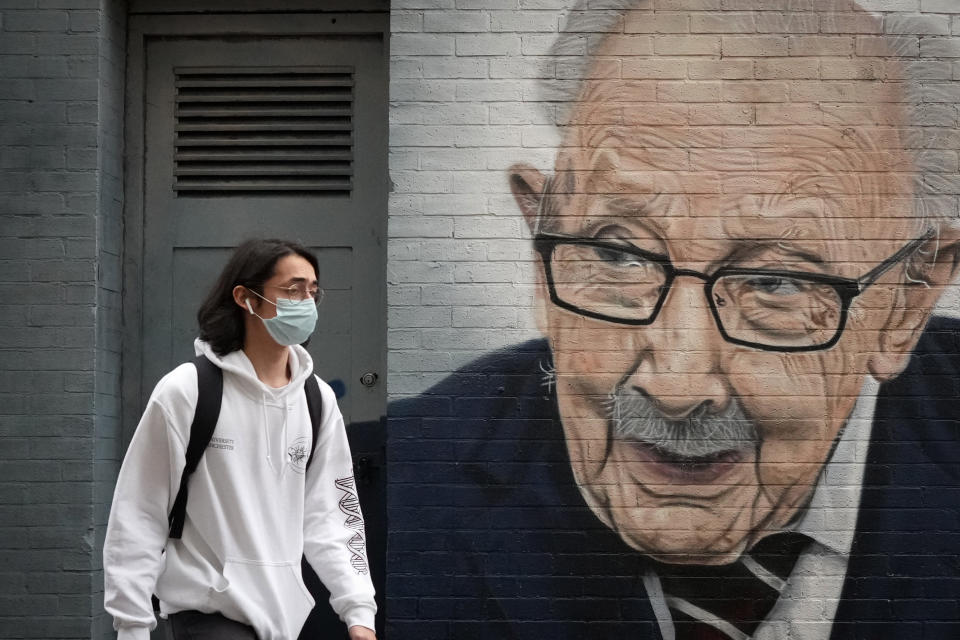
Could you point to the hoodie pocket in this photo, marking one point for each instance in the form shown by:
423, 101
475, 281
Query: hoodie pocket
270, 596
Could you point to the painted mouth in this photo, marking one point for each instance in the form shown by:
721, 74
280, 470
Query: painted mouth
689, 469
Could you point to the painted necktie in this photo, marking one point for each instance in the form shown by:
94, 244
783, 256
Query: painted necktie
729, 602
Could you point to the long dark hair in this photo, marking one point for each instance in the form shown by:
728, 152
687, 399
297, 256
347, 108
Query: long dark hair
252, 264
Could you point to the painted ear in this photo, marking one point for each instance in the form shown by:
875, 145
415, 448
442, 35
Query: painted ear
933, 268
526, 184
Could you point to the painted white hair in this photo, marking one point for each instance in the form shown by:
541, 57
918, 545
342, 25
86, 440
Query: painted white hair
930, 137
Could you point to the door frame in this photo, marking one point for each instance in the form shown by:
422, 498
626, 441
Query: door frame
143, 28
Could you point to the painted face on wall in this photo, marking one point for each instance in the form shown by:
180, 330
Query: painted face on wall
692, 289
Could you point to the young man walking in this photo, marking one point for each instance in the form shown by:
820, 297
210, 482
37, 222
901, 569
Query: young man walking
254, 506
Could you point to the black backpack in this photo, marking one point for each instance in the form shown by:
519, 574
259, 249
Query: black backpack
209, 397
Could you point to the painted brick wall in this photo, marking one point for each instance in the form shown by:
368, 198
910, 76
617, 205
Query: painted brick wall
477, 86
60, 202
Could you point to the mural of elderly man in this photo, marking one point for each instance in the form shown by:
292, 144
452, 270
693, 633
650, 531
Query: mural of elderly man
741, 422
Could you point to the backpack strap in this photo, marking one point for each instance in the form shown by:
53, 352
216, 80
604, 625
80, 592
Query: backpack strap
315, 406
209, 397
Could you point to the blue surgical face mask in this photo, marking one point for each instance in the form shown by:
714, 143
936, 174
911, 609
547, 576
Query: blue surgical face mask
294, 322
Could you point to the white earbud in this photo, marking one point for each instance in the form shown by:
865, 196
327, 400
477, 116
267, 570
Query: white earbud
247, 300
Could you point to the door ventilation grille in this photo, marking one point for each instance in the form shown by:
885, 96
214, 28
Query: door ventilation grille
264, 130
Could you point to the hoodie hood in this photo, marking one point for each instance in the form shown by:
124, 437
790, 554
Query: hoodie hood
237, 363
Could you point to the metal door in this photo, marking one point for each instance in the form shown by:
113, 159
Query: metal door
271, 136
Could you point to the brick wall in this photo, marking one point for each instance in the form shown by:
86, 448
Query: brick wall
477, 86
59, 230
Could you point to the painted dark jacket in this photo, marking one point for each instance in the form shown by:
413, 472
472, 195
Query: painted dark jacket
490, 538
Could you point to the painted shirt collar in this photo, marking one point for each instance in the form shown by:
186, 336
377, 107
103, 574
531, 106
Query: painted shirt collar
831, 516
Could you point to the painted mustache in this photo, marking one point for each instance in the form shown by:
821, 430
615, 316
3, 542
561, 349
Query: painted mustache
698, 435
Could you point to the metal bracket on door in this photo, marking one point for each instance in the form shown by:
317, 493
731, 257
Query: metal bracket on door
366, 466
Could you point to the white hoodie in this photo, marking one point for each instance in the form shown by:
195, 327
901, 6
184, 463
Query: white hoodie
252, 509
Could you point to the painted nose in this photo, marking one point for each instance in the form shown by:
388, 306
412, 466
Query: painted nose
680, 368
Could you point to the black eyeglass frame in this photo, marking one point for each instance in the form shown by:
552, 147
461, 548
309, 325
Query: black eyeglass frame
847, 289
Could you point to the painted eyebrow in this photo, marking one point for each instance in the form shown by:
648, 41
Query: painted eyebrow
640, 206
789, 248
634, 209
649, 224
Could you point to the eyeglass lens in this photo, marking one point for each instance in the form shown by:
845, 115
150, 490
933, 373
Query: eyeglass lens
777, 310
299, 292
